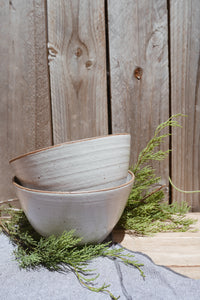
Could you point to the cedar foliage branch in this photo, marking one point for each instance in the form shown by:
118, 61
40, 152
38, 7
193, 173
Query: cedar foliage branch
145, 212
59, 253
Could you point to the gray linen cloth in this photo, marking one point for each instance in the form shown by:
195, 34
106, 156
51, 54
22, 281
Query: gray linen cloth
160, 282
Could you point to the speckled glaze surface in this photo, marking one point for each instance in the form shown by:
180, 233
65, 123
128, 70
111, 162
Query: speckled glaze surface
93, 214
96, 162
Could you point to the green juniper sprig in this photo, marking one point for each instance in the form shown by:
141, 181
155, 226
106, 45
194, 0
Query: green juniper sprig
59, 253
148, 153
145, 212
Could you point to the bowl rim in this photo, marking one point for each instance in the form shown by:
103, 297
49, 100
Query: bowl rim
65, 143
21, 187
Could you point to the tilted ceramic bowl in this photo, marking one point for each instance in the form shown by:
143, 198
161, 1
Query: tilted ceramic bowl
93, 214
85, 164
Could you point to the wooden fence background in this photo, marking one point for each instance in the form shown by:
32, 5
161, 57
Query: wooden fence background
67, 72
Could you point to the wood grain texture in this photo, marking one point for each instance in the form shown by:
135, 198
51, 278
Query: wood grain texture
77, 60
182, 253
185, 98
138, 37
25, 105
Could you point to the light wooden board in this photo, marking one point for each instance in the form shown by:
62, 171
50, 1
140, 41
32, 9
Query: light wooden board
25, 122
77, 60
185, 97
177, 250
191, 272
138, 37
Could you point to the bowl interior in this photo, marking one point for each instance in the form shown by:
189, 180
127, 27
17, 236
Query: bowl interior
129, 179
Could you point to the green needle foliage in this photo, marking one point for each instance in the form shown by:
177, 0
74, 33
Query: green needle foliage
145, 212
59, 253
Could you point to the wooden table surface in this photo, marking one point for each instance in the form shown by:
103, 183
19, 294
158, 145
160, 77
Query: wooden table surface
180, 251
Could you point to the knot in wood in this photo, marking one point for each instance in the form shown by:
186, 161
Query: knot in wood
52, 52
88, 64
78, 52
138, 73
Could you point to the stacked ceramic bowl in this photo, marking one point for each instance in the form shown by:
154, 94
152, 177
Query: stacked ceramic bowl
81, 185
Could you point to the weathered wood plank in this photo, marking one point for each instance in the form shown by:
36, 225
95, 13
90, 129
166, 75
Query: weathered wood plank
138, 37
191, 272
185, 98
77, 59
25, 104
182, 253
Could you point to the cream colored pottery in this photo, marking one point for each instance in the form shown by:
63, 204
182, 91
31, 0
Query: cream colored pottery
85, 164
93, 214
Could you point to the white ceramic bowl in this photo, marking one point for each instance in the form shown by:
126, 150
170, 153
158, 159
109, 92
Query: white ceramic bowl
85, 164
93, 214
